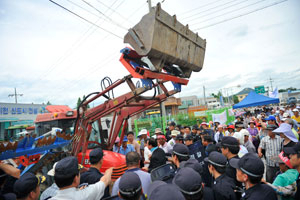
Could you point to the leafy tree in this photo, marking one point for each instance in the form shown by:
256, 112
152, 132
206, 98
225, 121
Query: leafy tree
235, 99
48, 103
78, 102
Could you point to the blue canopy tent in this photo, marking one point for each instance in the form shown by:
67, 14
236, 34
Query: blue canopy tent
254, 99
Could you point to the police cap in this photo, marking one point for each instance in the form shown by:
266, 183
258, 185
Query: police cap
188, 181
181, 150
130, 184
228, 141
217, 159
27, 183
189, 137
159, 190
96, 155
249, 164
67, 167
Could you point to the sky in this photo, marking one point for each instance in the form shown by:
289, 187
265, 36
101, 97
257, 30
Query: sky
49, 54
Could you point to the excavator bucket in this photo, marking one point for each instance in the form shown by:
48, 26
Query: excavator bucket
167, 43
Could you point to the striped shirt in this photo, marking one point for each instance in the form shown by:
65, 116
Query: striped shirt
272, 147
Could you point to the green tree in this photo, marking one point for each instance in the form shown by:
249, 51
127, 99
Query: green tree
235, 99
88, 106
48, 103
78, 102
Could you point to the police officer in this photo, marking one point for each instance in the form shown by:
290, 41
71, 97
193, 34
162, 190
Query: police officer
130, 186
93, 175
28, 186
67, 178
197, 152
179, 139
180, 153
160, 190
223, 186
191, 185
250, 170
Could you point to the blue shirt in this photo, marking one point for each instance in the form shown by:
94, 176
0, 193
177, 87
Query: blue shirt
129, 148
144, 177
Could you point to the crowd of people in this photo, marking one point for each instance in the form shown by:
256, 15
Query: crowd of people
255, 157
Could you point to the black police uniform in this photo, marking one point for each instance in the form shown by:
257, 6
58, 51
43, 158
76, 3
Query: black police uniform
93, 176
260, 192
253, 166
223, 186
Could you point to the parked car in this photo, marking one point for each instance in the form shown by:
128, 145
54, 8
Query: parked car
292, 100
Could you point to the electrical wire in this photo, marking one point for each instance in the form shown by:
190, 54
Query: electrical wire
112, 21
210, 9
202, 6
241, 15
86, 19
216, 11
229, 12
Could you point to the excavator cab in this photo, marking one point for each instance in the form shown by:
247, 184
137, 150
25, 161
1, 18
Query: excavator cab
168, 44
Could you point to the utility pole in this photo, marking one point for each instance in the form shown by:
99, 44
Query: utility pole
15, 95
271, 80
204, 95
149, 4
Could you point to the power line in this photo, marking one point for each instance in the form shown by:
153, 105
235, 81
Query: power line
229, 12
86, 19
202, 6
210, 9
76, 44
239, 2
112, 21
241, 15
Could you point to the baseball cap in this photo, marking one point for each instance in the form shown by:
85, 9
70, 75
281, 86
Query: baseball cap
286, 115
292, 150
159, 190
249, 164
282, 109
230, 126
175, 133
271, 117
188, 181
245, 132
96, 155
117, 139
239, 125
195, 127
203, 123
67, 167
129, 184
295, 110
285, 160
179, 137
143, 132
27, 183
157, 130
220, 126
189, 137
172, 124
286, 129
125, 139
217, 159
181, 150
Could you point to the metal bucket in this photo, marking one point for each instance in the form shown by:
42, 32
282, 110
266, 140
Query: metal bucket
167, 42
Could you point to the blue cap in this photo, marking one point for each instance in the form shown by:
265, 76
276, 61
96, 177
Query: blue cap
271, 117
159, 190
286, 129
125, 139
